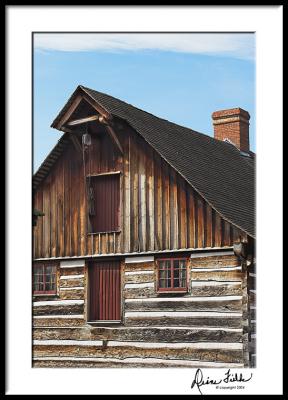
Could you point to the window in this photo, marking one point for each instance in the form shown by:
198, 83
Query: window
44, 279
104, 203
172, 275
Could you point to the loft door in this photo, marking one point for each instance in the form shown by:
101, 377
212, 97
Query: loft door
104, 290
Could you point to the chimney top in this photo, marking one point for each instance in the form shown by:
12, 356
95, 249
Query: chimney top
232, 125
231, 112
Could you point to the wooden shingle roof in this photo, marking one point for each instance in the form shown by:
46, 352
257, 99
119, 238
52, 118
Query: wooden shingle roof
215, 169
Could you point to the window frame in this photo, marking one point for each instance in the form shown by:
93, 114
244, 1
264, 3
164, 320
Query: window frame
45, 292
172, 288
90, 230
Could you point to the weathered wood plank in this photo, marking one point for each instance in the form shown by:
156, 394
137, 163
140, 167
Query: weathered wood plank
82, 212
234, 275
183, 240
59, 308
165, 206
76, 281
67, 203
72, 293
200, 221
60, 210
252, 313
126, 201
228, 304
191, 221
150, 219
174, 210
48, 321
217, 320
252, 298
134, 196
140, 334
142, 212
208, 288
46, 219
214, 262
140, 278
218, 230
86, 362
122, 350
140, 266
72, 271
158, 204
209, 233
53, 202
139, 293
226, 234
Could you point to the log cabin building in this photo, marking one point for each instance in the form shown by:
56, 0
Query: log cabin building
145, 254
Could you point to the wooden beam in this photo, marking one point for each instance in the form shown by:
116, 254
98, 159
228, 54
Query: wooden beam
69, 112
113, 136
104, 174
83, 120
96, 106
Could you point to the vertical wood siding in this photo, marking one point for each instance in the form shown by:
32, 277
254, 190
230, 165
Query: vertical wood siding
159, 210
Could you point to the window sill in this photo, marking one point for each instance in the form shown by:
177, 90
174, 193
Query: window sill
45, 295
101, 323
172, 291
102, 233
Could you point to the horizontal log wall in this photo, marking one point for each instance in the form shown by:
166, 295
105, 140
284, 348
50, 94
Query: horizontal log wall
252, 314
200, 328
159, 210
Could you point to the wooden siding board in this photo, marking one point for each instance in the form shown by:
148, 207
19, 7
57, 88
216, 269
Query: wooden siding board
142, 200
166, 207
200, 222
183, 234
126, 201
134, 197
174, 210
208, 224
156, 204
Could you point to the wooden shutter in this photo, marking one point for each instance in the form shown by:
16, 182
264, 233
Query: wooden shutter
104, 284
106, 196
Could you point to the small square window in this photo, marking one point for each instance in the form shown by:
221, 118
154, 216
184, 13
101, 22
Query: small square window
172, 275
44, 279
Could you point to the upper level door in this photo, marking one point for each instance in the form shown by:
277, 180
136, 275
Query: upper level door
104, 291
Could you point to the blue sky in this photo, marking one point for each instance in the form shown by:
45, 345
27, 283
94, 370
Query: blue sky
179, 77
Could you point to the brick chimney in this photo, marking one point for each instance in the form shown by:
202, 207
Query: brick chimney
233, 125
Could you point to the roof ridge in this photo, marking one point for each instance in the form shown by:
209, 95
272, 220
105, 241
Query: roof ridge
214, 168
153, 115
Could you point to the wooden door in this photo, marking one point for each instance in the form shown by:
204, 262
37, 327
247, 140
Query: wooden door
104, 291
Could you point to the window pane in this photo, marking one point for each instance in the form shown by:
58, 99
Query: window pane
50, 277
179, 271
38, 283
162, 283
182, 273
165, 274
166, 264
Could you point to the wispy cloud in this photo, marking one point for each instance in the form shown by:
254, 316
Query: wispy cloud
237, 45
